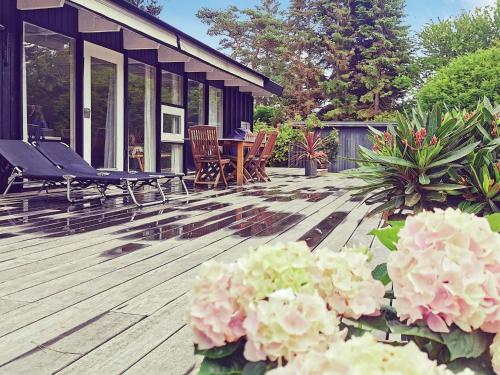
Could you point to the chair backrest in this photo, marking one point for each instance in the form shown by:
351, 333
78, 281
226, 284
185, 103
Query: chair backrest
25, 157
269, 147
204, 142
64, 157
256, 145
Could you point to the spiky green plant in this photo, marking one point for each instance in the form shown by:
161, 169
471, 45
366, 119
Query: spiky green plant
409, 165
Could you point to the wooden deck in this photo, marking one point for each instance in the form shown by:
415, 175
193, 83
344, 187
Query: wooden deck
93, 289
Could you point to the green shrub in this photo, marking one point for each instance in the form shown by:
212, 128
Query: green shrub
465, 81
269, 115
331, 144
286, 136
428, 161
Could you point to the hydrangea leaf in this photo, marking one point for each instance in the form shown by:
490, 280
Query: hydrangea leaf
466, 344
494, 220
388, 236
380, 273
481, 366
219, 352
212, 366
255, 368
399, 328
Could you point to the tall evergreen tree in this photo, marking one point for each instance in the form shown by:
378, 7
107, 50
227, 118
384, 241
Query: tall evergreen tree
153, 7
305, 75
381, 57
254, 36
336, 30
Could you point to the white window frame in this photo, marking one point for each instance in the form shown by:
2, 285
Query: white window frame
102, 53
172, 137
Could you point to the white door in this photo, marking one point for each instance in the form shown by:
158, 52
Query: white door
103, 143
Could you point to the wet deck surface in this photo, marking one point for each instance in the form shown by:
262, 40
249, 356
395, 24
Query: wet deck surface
91, 289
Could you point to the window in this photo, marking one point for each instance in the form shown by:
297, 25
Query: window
215, 114
172, 138
171, 89
141, 116
171, 157
196, 103
48, 85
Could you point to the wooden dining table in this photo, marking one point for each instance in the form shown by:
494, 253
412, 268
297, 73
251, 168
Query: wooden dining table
240, 145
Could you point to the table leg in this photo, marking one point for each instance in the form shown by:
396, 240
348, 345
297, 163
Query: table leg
239, 165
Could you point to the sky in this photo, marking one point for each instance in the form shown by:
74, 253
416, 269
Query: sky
182, 13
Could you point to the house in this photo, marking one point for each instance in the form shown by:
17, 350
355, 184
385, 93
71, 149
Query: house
119, 86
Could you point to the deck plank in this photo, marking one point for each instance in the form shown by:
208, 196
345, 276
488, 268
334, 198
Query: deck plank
53, 282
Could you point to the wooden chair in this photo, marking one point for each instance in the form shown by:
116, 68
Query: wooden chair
261, 161
249, 165
206, 154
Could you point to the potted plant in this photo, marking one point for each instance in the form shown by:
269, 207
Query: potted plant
311, 151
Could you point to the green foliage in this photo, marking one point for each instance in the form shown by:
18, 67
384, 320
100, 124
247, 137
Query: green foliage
449, 38
409, 165
265, 114
350, 54
331, 144
388, 236
381, 274
229, 360
287, 134
153, 7
462, 344
494, 220
381, 55
465, 81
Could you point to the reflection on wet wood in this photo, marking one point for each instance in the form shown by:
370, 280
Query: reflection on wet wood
102, 288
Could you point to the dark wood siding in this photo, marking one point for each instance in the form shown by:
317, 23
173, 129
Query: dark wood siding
61, 20
112, 41
10, 77
238, 107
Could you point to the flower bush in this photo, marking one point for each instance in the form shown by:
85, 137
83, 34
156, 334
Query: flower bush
447, 270
281, 300
282, 309
364, 355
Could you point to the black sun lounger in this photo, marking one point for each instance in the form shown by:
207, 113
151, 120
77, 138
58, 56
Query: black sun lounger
70, 162
29, 163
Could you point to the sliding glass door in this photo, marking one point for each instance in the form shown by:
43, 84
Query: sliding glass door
141, 117
103, 107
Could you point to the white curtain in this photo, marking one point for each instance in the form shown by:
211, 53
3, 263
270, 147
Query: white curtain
110, 139
176, 158
149, 121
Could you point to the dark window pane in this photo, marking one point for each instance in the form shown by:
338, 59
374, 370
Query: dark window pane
171, 88
196, 103
49, 84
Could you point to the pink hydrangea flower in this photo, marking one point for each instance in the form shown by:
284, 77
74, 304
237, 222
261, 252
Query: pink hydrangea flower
288, 324
447, 270
346, 282
214, 315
